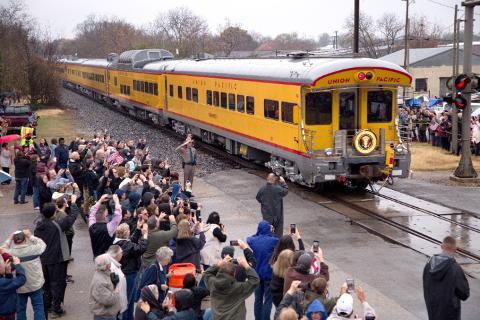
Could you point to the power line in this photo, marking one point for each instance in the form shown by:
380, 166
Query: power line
447, 6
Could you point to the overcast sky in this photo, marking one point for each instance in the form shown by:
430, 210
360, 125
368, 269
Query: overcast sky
268, 17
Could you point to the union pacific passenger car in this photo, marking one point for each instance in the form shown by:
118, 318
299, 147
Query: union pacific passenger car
310, 120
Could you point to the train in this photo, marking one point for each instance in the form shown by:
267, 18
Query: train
312, 120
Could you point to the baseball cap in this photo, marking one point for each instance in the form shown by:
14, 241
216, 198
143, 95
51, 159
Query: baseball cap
345, 305
57, 195
304, 263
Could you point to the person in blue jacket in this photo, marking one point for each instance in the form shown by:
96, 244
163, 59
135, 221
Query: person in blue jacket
263, 243
8, 287
316, 311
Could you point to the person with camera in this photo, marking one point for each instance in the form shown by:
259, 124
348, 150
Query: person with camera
104, 298
344, 309
55, 258
215, 237
240, 273
9, 285
227, 294
189, 159
160, 232
270, 197
102, 232
25, 246
263, 243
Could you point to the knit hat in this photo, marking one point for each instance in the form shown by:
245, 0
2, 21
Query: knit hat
228, 250
345, 305
304, 263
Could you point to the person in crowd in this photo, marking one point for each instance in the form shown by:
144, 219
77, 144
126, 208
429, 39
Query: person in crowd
288, 314
160, 232
6, 160
156, 273
102, 233
444, 283
227, 294
56, 180
215, 238
43, 150
283, 262
104, 298
23, 167
62, 207
9, 285
294, 298
199, 293
133, 247
344, 308
44, 192
61, 154
115, 253
263, 243
150, 295
24, 245
76, 168
183, 306
270, 197
240, 273
302, 270
53, 146
286, 242
318, 290
55, 258
189, 246
189, 159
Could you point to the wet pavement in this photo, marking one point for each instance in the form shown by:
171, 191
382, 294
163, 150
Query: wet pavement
390, 274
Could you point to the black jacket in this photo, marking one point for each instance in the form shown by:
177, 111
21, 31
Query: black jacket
100, 238
49, 233
44, 192
132, 252
198, 295
270, 197
188, 250
444, 285
276, 289
76, 169
23, 167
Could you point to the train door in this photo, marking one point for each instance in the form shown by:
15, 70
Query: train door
348, 110
318, 120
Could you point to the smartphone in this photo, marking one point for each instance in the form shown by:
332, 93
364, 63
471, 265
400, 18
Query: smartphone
293, 228
234, 243
169, 295
350, 285
315, 245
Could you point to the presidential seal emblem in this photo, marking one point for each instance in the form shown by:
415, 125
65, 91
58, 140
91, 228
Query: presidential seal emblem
365, 141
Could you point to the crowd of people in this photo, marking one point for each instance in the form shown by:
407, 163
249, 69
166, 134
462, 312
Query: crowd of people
143, 222
427, 126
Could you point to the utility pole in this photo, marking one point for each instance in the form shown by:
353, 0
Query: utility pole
454, 143
356, 27
335, 43
465, 167
405, 47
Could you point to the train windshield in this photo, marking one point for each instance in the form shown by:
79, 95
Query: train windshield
318, 108
379, 106
347, 110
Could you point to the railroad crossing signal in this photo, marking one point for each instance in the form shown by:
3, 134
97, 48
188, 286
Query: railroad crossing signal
459, 101
461, 82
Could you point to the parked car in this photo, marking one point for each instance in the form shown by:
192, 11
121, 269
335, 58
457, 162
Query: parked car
18, 116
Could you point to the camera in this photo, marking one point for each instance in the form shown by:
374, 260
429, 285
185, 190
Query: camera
316, 245
350, 285
234, 243
293, 228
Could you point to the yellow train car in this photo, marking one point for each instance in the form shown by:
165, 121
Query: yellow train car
311, 120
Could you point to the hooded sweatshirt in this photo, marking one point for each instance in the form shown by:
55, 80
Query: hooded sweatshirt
316, 306
263, 243
444, 285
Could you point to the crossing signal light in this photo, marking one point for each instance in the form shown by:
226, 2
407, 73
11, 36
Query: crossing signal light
460, 102
461, 82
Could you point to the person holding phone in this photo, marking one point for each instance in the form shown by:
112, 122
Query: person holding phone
215, 238
270, 197
8, 286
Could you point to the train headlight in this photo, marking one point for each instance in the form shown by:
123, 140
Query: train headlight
328, 152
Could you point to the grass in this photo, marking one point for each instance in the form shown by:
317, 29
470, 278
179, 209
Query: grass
428, 158
55, 123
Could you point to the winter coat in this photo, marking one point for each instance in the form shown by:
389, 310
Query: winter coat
133, 249
157, 239
188, 250
188, 314
311, 296
316, 306
263, 243
154, 274
291, 275
115, 267
212, 251
29, 255
57, 248
23, 167
444, 285
61, 153
8, 291
276, 289
270, 198
228, 295
45, 194
43, 151
76, 169
199, 294
103, 300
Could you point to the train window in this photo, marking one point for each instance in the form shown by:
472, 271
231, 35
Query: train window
155, 89
142, 86
171, 90
250, 105
189, 93
150, 87
223, 100
180, 92
240, 103
287, 112
135, 85
270, 109
318, 108
231, 101
209, 97
115, 80
379, 106
195, 94
216, 98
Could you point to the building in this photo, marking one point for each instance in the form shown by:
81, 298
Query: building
432, 67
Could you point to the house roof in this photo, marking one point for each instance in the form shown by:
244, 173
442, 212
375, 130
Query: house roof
415, 55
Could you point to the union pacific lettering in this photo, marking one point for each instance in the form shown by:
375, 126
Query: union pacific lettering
339, 81
388, 79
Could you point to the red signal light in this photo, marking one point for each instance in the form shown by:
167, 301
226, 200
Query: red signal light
460, 102
462, 81
361, 76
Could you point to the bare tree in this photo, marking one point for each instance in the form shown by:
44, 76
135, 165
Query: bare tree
233, 37
368, 41
390, 28
291, 41
323, 39
424, 33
